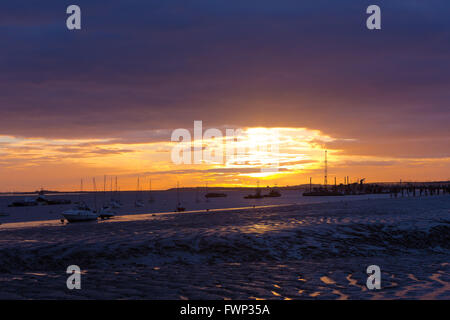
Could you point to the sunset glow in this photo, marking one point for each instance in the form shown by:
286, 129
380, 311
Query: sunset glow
59, 164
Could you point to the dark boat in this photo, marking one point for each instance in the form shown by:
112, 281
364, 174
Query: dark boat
41, 199
257, 194
23, 203
274, 193
180, 208
106, 213
215, 195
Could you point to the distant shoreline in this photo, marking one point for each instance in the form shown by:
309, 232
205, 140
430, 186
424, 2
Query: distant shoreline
295, 187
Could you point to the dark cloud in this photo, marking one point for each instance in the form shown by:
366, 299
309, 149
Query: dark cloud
138, 66
396, 148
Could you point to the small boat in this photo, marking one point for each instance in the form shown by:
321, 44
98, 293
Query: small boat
41, 198
150, 196
139, 203
180, 208
274, 193
197, 199
116, 204
106, 213
24, 203
207, 198
257, 194
80, 213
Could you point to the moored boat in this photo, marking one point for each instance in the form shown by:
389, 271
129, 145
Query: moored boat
80, 213
274, 193
106, 213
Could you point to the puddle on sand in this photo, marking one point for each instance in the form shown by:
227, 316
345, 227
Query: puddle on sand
341, 295
327, 280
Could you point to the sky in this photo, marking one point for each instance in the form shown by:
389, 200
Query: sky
105, 100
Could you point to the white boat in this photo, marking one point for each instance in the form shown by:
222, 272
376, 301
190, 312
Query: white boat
80, 213
115, 204
139, 203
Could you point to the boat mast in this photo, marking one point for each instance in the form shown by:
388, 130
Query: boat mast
95, 194
137, 193
111, 191
81, 191
325, 182
207, 199
104, 189
150, 191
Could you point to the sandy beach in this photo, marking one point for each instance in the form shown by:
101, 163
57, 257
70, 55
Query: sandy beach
301, 251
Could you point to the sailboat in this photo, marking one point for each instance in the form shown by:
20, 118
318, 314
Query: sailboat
81, 212
213, 194
179, 208
150, 196
257, 194
106, 212
206, 189
115, 201
138, 203
197, 199
273, 193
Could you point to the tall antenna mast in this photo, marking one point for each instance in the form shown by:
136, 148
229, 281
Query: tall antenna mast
326, 170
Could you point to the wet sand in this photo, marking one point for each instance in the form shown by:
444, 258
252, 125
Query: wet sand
311, 251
